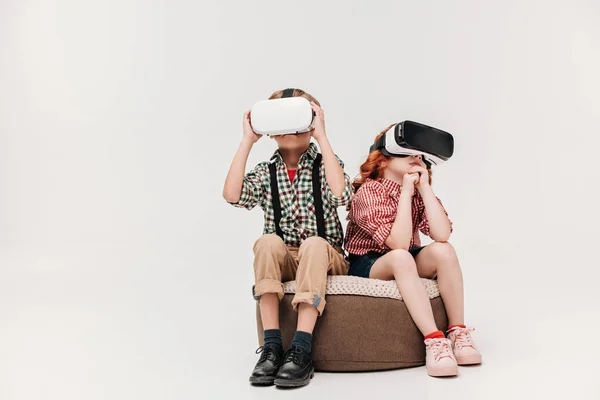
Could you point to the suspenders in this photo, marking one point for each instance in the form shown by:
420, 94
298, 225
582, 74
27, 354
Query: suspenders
275, 198
316, 185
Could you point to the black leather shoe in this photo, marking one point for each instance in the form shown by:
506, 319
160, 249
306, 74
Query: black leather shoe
297, 369
267, 366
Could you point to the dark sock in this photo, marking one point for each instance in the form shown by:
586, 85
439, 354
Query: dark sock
303, 339
273, 337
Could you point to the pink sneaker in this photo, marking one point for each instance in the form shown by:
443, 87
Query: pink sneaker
463, 347
439, 360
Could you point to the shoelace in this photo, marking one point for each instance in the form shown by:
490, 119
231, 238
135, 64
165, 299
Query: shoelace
293, 354
462, 337
440, 347
266, 352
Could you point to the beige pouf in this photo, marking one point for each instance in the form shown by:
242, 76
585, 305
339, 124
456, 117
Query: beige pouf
365, 325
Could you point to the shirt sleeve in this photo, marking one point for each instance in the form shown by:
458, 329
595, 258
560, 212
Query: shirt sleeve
344, 199
253, 191
374, 211
424, 222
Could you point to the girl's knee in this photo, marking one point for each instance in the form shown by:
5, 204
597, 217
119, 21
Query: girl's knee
402, 262
442, 251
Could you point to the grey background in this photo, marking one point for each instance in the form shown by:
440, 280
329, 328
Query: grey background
125, 275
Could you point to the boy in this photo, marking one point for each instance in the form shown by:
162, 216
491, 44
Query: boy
302, 237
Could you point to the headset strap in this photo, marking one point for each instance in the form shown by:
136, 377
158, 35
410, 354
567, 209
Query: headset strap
287, 93
379, 144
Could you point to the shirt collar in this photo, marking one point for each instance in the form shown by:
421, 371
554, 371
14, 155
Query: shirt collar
390, 186
311, 153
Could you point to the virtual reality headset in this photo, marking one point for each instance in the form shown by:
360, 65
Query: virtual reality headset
411, 138
287, 115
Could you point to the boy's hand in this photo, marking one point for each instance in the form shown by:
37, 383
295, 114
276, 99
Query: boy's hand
319, 122
249, 134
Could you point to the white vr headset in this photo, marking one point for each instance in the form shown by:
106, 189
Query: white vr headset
287, 115
411, 138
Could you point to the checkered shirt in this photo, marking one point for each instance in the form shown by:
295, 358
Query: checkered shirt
372, 215
298, 219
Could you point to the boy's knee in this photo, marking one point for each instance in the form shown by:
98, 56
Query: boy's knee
268, 242
314, 244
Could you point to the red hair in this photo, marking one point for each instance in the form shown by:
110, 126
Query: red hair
373, 167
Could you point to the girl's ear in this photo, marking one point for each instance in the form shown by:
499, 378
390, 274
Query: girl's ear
383, 164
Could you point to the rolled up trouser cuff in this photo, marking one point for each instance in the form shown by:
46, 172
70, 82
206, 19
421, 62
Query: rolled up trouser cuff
311, 298
267, 286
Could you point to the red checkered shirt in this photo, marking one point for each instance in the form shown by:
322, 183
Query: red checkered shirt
372, 215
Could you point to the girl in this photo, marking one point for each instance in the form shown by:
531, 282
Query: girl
393, 202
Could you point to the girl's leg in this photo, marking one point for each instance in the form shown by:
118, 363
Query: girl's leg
440, 259
400, 265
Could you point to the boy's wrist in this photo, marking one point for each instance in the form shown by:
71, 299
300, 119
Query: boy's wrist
247, 142
321, 140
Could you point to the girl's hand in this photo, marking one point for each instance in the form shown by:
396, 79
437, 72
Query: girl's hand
423, 176
249, 134
319, 122
408, 183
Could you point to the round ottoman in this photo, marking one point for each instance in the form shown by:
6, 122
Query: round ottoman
365, 325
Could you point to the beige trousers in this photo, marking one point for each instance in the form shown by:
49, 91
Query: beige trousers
309, 265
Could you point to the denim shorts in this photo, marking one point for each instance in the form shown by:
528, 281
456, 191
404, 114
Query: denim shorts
361, 265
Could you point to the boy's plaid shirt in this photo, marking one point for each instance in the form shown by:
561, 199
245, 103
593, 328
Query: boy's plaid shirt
298, 219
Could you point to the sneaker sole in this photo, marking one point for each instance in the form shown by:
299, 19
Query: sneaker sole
262, 380
285, 383
469, 360
444, 371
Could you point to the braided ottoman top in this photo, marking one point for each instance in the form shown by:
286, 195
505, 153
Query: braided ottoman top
354, 285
